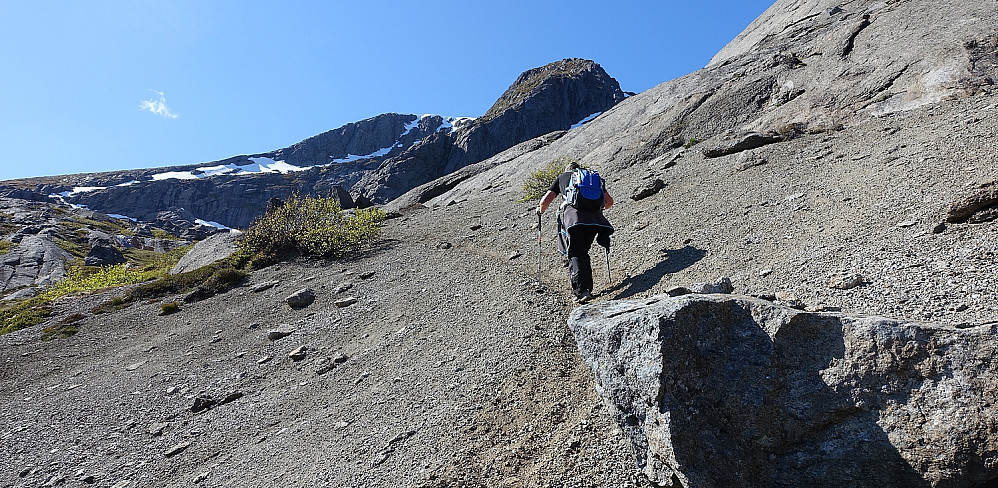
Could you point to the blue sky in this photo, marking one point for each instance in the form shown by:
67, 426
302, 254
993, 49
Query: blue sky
106, 85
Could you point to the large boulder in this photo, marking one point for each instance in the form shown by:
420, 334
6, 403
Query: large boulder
36, 261
716, 390
208, 251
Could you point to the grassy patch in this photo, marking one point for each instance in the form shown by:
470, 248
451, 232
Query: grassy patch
109, 227
6, 246
539, 181
24, 314
72, 247
64, 328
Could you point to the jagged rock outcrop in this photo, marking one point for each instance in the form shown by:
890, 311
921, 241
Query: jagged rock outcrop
541, 100
733, 391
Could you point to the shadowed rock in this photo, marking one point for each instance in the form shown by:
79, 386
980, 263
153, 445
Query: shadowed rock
788, 398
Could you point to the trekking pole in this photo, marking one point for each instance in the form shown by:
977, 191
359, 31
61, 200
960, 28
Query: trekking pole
538, 246
608, 279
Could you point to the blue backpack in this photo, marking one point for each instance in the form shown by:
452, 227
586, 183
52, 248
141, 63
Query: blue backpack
585, 190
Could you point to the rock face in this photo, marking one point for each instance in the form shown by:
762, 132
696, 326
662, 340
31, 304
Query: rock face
541, 100
787, 398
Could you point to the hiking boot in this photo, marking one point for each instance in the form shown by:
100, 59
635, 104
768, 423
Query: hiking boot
583, 297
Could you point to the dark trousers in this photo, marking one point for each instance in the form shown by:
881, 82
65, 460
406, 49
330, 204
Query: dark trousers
580, 268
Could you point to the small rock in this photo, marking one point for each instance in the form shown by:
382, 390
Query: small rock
301, 298
766, 272
157, 429
649, 189
845, 282
342, 287
326, 364
89, 479
721, 285
134, 366
345, 302
444, 245
676, 291
299, 353
515, 254
231, 397
476, 227
171, 390
177, 449
201, 478
277, 334
263, 286
367, 275
202, 403
939, 228
264, 359
907, 223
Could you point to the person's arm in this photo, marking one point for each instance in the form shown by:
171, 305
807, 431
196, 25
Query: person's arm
607, 200
546, 201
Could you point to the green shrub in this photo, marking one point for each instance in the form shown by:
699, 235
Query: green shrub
539, 181
222, 280
169, 308
691, 142
5, 247
311, 226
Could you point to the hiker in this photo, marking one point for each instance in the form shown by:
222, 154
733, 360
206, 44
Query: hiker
580, 222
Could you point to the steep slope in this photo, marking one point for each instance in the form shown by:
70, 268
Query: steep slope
458, 369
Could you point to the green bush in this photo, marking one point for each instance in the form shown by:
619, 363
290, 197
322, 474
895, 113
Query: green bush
5, 247
169, 308
539, 181
311, 226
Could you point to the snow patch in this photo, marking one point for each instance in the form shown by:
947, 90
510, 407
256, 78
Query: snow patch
587, 119
122, 217
212, 224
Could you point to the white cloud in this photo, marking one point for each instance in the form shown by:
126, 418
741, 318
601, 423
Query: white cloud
158, 106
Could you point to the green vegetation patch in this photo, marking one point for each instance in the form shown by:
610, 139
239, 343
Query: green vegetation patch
24, 314
64, 328
109, 227
6, 246
169, 308
537, 183
312, 226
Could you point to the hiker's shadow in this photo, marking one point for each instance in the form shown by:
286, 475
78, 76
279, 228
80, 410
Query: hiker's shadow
673, 261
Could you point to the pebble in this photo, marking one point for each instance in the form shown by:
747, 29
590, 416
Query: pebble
177, 449
299, 353
277, 334
345, 302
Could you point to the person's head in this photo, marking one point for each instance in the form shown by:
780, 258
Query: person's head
572, 166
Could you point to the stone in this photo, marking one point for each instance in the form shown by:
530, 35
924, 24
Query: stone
278, 334
301, 298
299, 353
676, 291
203, 403
177, 449
211, 250
846, 282
983, 200
790, 398
230, 397
748, 160
342, 287
444, 245
345, 302
263, 286
648, 189
721, 285
367, 275
741, 142
157, 428
515, 254
104, 255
